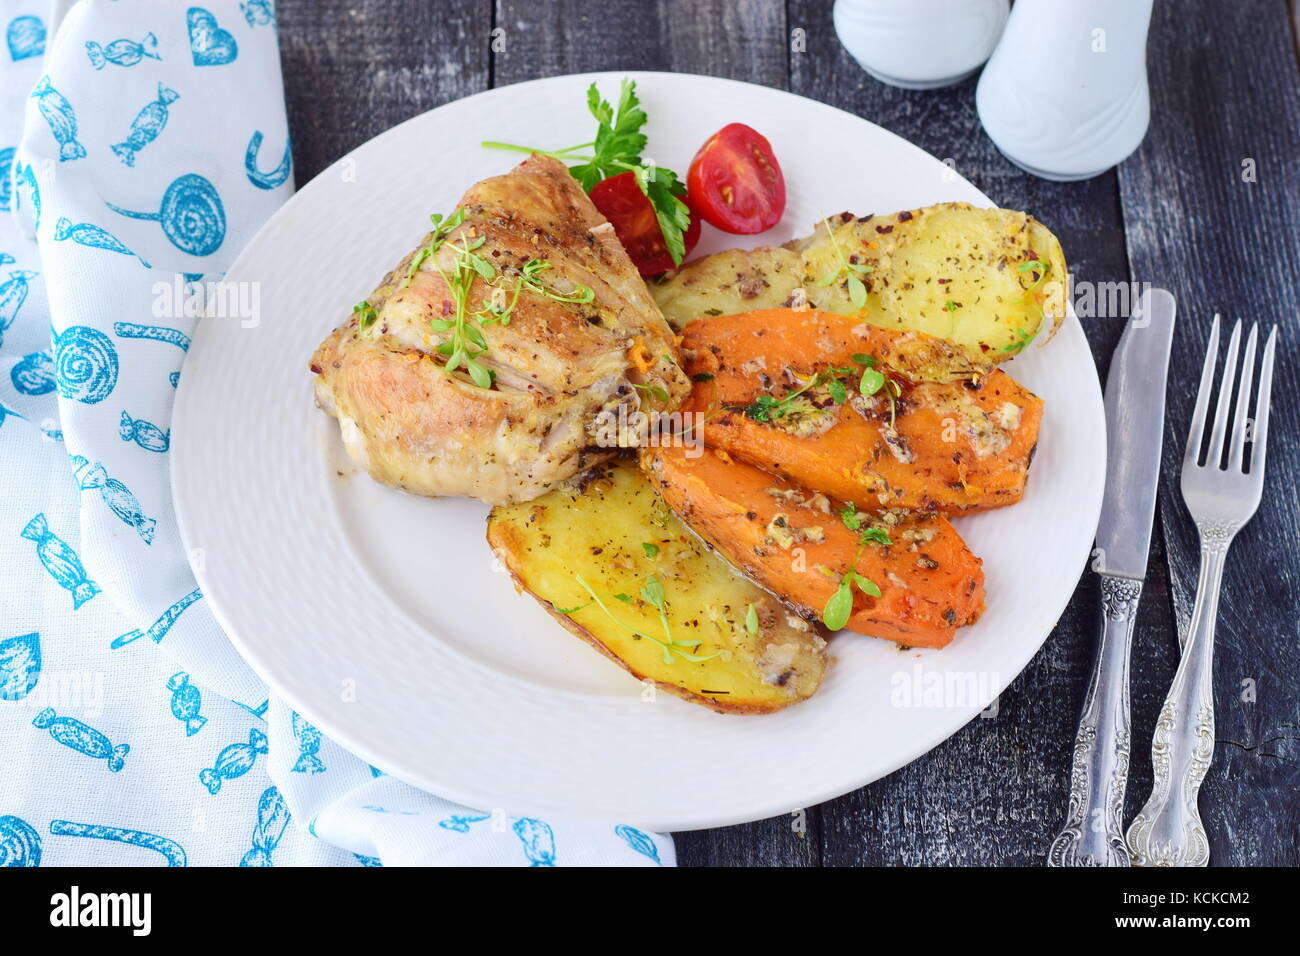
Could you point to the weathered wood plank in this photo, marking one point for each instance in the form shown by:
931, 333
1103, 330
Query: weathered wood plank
352, 70
1212, 208
740, 39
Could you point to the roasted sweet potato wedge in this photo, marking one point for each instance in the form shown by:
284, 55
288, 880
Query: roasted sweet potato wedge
949, 447
796, 544
588, 553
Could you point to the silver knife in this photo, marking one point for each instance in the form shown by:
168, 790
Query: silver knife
1093, 834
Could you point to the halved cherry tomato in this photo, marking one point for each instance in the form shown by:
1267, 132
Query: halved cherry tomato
736, 182
621, 201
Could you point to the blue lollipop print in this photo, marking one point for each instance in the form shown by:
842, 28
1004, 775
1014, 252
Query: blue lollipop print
275, 177
20, 665
191, 215
61, 117
85, 364
20, 844
146, 126
26, 38
159, 628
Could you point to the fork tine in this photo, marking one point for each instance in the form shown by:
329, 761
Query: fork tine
1217, 437
1192, 457
1241, 419
1262, 401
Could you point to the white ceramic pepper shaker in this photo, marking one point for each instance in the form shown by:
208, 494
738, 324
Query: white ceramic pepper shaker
920, 44
1065, 93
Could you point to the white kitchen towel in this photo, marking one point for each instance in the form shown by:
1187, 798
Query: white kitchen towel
142, 143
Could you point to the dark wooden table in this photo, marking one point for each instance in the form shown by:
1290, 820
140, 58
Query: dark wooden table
1182, 213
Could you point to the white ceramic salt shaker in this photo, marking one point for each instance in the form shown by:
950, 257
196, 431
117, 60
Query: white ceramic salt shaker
1065, 94
920, 44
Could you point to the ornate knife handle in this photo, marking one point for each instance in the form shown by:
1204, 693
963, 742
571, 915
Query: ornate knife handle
1094, 825
1168, 830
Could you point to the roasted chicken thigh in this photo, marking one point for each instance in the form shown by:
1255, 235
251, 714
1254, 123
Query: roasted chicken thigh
556, 347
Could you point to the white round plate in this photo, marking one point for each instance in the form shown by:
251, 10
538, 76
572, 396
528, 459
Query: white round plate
380, 616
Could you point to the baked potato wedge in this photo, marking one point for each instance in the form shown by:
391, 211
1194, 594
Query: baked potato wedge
609, 560
987, 280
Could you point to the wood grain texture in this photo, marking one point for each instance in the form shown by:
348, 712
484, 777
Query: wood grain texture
1178, 211
1221, 242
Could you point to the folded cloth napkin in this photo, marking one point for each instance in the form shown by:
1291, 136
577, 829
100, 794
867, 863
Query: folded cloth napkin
142, 143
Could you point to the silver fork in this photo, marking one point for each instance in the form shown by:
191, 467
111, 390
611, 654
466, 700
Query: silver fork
1168, 830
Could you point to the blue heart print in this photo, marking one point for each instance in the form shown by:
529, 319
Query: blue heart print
209, 44
20, 665
25, 37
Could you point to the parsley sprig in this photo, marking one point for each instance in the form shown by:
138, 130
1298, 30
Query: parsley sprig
852, 272
652, 592
617, 149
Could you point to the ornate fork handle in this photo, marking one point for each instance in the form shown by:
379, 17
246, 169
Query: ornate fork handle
1093, 834
1168, 830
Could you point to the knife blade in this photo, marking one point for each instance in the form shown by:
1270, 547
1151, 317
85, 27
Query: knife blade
1135, 425
1093, 833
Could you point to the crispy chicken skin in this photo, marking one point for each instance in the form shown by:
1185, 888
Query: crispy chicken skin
561, 369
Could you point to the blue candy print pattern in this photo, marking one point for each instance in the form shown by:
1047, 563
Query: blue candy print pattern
33, 374
145, 434
536, 836
209, 44
6, 179
272, 820
60, 561
308, 738
156, 333
20, 665
91, 476
258, 13
61, 117
276, 177
148, 123
186, 702
233, 761
85, 364
13, 293
95, 237
159, 628
191, 215
172, 851
122, 52
25, 37
83, 738
25, 176
20, 844
639, 841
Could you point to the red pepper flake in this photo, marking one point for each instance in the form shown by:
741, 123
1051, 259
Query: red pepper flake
904, 216
885, 229
446, 307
